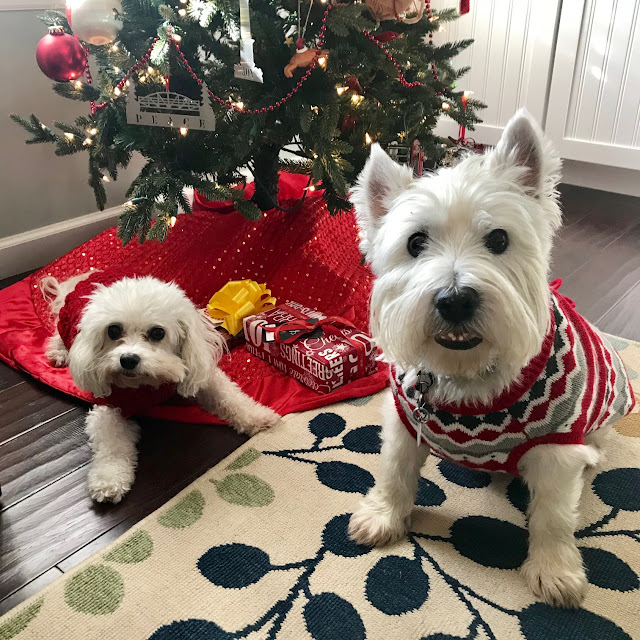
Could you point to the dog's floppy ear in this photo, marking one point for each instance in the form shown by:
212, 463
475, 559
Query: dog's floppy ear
83, 356
202, 347
523, 144
379, 183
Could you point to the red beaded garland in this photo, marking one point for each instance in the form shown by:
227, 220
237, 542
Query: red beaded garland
232, 106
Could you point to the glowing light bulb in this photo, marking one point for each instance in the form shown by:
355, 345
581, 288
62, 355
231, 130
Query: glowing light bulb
466, 94
446, 106
78, 84
69, 136
149, 69
92, 131
367, 138
88, 141
312, 187
117, 91
356, 98
341, 90
176, 37
128, 203
115, 47
322, 61
172, 221
116, 69
184, 131
240, 105
106, 179
182, 12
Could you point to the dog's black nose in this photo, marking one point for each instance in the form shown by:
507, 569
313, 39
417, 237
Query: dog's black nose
129, 361
457, 304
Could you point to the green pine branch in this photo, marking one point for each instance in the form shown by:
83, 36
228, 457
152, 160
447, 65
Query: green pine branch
39, 132
332, 130
82, 91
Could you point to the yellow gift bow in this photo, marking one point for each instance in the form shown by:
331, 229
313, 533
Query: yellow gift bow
237, 300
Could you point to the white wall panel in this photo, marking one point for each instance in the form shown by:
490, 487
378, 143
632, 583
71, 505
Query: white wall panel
594, 103
510, 58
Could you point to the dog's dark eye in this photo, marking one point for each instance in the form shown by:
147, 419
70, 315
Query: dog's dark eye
114, 331
417, 243
156, 334
497, 241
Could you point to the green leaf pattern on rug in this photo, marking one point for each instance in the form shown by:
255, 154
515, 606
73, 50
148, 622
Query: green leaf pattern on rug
185, 513
135, 548
245, 490
19, 622
244, 459
96, 590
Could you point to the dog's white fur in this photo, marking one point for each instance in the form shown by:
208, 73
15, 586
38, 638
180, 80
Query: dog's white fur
510, 188
187, 356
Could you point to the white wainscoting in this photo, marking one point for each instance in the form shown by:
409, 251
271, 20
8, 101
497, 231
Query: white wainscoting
510, 59
594, 102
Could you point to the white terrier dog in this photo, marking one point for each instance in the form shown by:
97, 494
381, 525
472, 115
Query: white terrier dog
133, 343
492, 368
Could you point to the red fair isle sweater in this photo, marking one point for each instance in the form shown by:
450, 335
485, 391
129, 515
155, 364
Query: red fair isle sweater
130, 401
575, 385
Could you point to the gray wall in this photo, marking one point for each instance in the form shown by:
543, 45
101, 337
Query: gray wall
38, 188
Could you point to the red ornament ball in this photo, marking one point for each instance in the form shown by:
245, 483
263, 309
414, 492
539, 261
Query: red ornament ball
348, 123
386, 36
60, 56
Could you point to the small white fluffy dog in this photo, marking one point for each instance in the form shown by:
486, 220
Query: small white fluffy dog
132, 343
490, 367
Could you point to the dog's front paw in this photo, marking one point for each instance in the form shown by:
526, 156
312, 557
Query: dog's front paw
57, 353
560, 583
258, 419
110, 481
58, 357
375, 525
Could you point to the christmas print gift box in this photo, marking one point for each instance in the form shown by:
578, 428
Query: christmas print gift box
320, 352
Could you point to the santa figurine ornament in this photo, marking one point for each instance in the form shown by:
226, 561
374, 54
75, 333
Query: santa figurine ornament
303, 57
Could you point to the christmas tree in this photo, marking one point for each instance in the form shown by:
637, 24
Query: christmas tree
321, 81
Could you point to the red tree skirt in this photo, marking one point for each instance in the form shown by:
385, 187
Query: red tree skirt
305, 255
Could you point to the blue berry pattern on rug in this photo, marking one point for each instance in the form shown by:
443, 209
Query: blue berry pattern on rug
403, 577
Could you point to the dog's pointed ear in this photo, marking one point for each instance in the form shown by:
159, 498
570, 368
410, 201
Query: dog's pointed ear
523, 145
379, 183
201, 349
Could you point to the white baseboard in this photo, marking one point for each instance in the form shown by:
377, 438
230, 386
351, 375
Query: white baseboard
32, 249
483, 133
604, 178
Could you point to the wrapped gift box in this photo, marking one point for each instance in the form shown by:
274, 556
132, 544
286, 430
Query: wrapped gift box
321, 353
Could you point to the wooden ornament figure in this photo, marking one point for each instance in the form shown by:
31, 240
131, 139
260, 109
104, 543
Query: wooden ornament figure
303, 57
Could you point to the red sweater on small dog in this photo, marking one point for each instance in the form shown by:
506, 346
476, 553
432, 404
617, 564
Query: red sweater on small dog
575, 385
130, 401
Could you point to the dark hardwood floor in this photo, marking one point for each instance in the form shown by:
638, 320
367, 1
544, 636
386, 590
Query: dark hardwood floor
47, 522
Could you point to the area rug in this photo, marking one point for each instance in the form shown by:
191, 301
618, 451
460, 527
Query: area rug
257, 548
